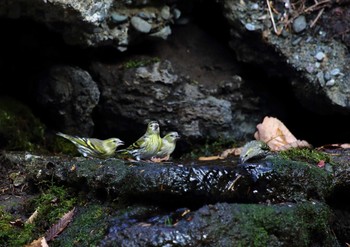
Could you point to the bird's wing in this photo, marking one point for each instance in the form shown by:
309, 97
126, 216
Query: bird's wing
140, 143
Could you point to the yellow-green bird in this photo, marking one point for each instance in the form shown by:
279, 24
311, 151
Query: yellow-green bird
147, 145
92, 147
254, 150
167, 147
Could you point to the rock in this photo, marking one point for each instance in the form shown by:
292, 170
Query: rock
330, 83
69, 95
156, 91
273, 51
163, 33
280, 199
176, 13
272, 180
250, 27
91, 22
335, 71
165, 13
320, 56
117, 18
225, 224
141, 25
299, 24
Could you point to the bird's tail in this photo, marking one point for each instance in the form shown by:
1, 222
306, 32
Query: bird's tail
65, 136
61, 134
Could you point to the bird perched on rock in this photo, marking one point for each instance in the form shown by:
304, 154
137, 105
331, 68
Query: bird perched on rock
147, 145
92, 147
167, 147
254, 150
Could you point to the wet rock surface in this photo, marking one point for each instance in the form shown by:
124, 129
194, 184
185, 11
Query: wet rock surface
196, 203
274, 181
225, 224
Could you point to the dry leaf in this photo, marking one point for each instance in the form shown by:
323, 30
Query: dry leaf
276, 135
60, 226
208, 158
41, 242
297, 144
32, 217
234, 151
223, 155
17, 222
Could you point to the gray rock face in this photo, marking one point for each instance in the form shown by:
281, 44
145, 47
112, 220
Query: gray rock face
156, 92
92, 22
69, 95
297, 52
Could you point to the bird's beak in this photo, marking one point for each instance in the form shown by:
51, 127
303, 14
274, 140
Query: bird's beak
241, 160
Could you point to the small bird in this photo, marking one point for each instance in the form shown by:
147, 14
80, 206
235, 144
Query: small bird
167, 147
147, 145
92, 147
254, 150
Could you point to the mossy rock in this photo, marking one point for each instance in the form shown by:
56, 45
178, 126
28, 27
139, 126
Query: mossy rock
50, 205
11, 235
223, 224
19, 128
88, 228
306, 155
281, 179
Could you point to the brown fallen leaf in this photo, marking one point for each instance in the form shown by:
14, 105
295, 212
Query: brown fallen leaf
234, 151
223, 155
277, 136
57, 228
31, 219
208, 158
40, 242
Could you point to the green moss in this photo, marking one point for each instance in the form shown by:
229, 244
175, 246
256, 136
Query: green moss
11, 235
300, 180
140, 63
295, 225
305, 155
19, 128
53, 203
87, 229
